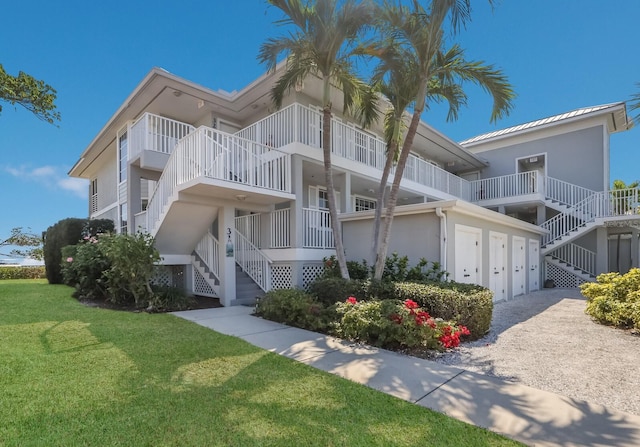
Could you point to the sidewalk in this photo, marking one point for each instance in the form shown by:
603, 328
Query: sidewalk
535, 417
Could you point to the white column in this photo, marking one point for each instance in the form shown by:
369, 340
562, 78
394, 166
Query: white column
227, 264
295, 216
602, 251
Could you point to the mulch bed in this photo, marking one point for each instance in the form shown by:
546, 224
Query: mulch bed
199, 302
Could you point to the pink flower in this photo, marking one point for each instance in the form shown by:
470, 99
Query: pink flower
352, 300
69, 259
410, 304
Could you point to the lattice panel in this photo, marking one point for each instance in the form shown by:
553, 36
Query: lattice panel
281, 276
563, 278
177, 276
162, 276
309, 273
200, 285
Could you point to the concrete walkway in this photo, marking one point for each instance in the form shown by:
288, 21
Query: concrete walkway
535, 417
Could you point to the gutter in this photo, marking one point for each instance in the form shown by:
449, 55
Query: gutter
443, 238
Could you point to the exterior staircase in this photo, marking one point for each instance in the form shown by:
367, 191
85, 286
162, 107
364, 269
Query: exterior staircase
247, 290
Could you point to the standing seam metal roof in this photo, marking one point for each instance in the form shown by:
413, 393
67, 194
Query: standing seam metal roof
537, 123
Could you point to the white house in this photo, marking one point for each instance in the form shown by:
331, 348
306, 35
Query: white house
233, 190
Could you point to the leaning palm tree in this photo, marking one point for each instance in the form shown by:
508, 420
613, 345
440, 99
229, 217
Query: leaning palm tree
323, 44
439, 74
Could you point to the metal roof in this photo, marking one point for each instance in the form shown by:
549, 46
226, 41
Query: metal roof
541, 122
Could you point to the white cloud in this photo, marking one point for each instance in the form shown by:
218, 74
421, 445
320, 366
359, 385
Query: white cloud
52, 177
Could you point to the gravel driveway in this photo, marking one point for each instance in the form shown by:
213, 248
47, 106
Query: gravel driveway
546, 341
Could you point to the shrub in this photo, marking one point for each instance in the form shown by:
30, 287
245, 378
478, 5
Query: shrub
466, 304
393, 324
23, 272
614, 299
83, 266
293, 307
396, 268
330, 290
167, 298
357, 270
67, 232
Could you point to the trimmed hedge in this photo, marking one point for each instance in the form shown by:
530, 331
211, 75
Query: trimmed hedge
333, 290
466, 304
296, 308
68, 232
23, 272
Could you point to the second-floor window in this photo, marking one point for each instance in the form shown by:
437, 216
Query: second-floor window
364, 204
123, 156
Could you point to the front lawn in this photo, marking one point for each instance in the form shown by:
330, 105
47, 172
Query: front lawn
74, 375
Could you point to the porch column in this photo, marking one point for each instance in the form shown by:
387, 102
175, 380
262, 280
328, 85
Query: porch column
134, 196
295, 215
541, 215
226, 222
344, 185
602, 251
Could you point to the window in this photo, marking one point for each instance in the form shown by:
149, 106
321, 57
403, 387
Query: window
93, 196
323, 199
364, 204
123, 218
123, 148
319, 199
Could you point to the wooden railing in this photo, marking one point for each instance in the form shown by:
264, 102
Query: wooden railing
155, 133
280, 228
214, 154
253, 261
598, 205
577, 257
316, 225
209, 251
301, 124
564, 192
511, 185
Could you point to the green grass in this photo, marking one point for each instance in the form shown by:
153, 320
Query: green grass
77, 376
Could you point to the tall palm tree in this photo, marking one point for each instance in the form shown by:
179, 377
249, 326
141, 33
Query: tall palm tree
324, 43
439, 74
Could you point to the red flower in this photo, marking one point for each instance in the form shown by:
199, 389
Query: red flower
447, 330
422, 318
352, 300
410, 304
432, 324
463, 330
396, 318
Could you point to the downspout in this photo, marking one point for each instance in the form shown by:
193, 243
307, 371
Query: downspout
443, 238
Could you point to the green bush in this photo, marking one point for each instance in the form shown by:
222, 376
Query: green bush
466, 304
614, 299
83, 266
167, 298
68, 232
330, 290
394, 324
23, 272
295, 308
357, 270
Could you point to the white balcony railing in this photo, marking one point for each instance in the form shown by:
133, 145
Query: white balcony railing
298, 123
598, 205
209, 251
512, 185
317, 229
564, 192
249, 227
577, 257
280, 229
155, 133
214, 154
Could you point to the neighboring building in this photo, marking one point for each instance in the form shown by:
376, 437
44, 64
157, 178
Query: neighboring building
233, 190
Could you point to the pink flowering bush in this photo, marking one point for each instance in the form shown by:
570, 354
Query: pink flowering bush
392, 324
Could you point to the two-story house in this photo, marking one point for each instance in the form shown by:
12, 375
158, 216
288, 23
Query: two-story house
233, 190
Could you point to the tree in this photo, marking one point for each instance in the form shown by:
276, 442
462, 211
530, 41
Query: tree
34, 95
22, 238
324, 43
439, 73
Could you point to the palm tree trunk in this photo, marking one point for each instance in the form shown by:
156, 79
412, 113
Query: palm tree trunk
328, 174
383, 244
380, 199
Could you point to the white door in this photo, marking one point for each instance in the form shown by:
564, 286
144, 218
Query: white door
315, 127
534, 265
519, 260
498, 265
468, 250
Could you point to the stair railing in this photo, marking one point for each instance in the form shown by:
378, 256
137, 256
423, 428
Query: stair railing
253, 261
565, 193
577, 257
209, 251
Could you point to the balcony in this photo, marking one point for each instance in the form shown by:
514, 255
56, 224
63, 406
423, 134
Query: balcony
153, 138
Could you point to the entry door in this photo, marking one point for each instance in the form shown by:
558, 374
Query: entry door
534, 265
498, 265
468, 254
519, 274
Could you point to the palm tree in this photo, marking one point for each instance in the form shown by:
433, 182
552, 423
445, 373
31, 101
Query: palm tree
323, 44
439, 74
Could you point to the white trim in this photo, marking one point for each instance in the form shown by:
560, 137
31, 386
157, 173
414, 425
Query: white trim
105, 209
606, 138
541, 154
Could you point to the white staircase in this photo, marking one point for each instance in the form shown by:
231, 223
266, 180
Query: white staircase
206, 263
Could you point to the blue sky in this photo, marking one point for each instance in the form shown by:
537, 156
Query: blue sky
558, 54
